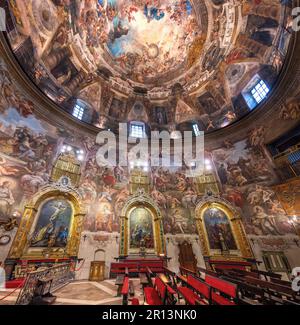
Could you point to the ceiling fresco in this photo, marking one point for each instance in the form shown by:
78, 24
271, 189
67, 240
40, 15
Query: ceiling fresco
180, 61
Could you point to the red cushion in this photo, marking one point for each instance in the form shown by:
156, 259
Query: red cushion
135, 302
160, 287
199, 286
171, 291
152, 298
189, 296
224, 286
221, 300
125, 288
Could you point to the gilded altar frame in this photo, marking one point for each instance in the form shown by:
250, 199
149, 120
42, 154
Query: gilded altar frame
244, 251
141, 200
21, 246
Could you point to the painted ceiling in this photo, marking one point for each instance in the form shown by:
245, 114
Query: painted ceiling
167, 63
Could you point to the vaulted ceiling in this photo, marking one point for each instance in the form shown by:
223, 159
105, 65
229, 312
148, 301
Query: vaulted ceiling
167, 63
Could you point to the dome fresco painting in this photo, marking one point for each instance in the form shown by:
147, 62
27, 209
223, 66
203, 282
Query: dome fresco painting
111, 218
183, 61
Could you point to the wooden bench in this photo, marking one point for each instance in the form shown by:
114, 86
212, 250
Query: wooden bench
120, 280
125, 290
281, 282
171, 276
222, 292
268, 275
205, 271
144, 281
123, 268
274, 290
157, 295
185, 272
249, 294
194, 291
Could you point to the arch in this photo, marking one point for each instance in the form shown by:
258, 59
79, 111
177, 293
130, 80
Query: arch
241, 250
21, 245
141, 200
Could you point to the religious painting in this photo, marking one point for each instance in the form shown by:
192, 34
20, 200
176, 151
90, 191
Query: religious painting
53, 224
141, 229
160, 115
117, 109
218, 228
208, 103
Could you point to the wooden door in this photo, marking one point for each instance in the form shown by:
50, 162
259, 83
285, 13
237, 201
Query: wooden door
187, 258
97, 271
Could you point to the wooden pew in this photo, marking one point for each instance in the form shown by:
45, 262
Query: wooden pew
249, 294
125, 290
274, 290
157, 295
205, 271
185, 272
222, 292
281, 282
239, 272
268, 275
194, 291
120, 280
172, 276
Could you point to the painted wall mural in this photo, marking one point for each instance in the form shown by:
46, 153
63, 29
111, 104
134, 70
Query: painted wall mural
247, 175
29, 146
160, 49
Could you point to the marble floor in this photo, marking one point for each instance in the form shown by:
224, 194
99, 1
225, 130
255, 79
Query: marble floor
83, 293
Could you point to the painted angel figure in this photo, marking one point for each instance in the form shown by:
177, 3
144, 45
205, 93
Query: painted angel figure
153, 13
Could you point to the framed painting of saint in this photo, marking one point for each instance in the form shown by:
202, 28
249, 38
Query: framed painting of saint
53, 224
219, 231
141, 230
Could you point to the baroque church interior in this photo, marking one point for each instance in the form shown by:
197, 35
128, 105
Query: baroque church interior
74, 231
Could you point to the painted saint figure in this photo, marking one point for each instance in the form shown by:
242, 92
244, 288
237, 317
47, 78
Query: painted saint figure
153, 13
6, 199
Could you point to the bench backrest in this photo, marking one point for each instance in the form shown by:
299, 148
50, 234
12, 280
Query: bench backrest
125, 288
199, 286
161, 289
221, 285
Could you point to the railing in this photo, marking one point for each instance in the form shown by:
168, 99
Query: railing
56, 277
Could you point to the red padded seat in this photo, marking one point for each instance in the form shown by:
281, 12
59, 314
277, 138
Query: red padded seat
196, 290
221, 300
156, 296
190, 296
152, 298
125, 288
